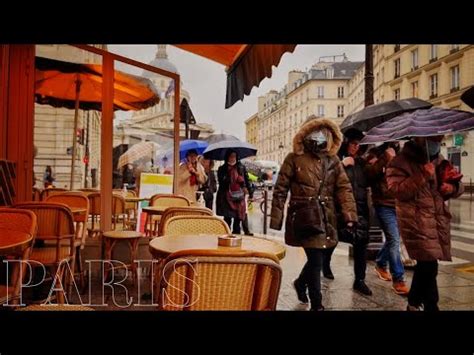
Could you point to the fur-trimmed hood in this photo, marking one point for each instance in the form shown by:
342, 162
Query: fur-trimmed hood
315, 124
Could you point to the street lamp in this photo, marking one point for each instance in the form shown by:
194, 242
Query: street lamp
281, 147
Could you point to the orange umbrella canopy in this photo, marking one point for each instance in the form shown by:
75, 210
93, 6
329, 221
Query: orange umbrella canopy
56, 84
247, 64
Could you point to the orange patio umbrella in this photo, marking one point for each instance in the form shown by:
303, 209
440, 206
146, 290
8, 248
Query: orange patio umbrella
79, 86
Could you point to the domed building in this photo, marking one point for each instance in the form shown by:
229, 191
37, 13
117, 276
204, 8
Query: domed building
155, 123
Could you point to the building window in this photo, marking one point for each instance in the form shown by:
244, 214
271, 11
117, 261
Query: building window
454, 78
340, 92
340, 111
320, 92
414, 89
433, 53
414, 59
320, 110
396, 48
396, 94
396, 65
433, 86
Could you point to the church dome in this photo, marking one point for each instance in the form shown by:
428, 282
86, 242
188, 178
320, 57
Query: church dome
161, 61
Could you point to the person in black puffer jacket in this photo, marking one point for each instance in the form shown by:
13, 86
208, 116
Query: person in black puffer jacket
350, 154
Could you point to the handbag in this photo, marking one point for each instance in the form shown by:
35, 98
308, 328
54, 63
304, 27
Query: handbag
309, 219
237, 195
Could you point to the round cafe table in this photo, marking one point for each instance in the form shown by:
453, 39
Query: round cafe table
163, 246
13, 241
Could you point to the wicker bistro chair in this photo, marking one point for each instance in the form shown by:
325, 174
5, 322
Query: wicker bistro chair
51, 191
220, 280
79, 200
183, 225
94, 214
56, 229
17, 232
181, 211
167, 200
56, 307
130, 207
88, 190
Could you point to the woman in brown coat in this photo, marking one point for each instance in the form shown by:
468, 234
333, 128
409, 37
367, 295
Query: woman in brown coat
313, 174
420, 191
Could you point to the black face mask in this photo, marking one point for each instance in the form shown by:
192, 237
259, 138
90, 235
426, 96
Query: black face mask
315, 142
314, 147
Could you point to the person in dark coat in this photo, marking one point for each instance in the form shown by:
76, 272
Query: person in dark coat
313, 174
233, 185
354, 164
422, 181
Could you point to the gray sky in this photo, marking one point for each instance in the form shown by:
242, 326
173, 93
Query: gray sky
206, 80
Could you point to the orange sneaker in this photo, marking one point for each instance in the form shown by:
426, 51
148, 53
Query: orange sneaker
383, 274
400, 288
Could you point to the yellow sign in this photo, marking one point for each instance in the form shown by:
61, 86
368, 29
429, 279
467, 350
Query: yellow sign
156, 179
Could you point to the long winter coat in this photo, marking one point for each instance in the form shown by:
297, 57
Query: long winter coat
423, 215
184, 186
301, 174
222, 205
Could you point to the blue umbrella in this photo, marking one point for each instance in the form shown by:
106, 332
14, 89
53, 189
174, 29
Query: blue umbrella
217, 151
184, 147
188, 144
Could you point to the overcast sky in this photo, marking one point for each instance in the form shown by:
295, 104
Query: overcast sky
206, 80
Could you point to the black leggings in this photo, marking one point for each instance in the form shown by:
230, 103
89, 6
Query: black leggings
311, 275
236, 226
424, 289
360, 259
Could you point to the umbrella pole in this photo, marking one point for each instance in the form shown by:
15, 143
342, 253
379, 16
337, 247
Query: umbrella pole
177, 115
74, 135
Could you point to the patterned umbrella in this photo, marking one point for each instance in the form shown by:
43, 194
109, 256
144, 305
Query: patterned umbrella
142, 150
421, 123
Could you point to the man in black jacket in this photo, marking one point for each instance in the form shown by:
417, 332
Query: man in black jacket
350, 154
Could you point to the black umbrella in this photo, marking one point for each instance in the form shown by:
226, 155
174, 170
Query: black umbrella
468, 97
217, 151
421, 123
374, 115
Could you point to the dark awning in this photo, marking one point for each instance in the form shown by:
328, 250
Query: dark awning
247, 64
468, 97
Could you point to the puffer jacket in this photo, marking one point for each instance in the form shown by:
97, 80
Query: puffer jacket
375, 172
302, 175
423, 216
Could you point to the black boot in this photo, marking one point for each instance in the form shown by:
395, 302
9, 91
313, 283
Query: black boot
300, 289
327, 272
319, 308
361, 287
